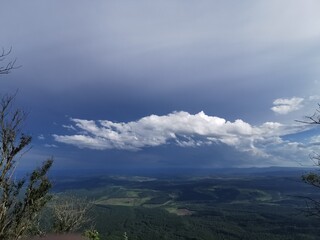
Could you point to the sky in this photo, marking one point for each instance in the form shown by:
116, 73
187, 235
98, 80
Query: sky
160, 84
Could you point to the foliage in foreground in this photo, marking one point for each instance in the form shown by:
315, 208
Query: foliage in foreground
20, 200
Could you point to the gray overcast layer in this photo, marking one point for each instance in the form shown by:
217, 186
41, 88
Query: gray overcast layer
121, 61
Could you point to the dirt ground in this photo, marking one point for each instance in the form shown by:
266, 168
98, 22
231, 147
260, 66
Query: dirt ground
60, 237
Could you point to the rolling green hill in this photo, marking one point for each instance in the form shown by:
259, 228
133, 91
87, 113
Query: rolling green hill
198, 208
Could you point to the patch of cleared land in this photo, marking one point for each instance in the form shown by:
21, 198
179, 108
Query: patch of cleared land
126, 201
179, 211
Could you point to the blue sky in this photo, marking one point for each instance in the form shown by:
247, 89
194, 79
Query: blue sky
165, 83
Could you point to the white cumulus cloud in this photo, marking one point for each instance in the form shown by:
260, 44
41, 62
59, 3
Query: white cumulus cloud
180, 128
287, 105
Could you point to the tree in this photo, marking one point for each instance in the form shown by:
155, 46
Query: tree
313, 205
7, 67
92, 234
17, 213
21, 200
313, 178
69, 213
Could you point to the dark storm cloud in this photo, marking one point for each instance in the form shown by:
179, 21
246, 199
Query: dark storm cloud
124, 60
161, 46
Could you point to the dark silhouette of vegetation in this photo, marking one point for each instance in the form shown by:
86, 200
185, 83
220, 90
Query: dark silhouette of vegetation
8, 65
313, 119
313, 178
21, 200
